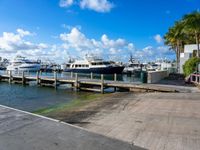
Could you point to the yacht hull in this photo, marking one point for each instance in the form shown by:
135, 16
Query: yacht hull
103, 70
24, 68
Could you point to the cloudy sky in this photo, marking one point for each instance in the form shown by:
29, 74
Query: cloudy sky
57, 29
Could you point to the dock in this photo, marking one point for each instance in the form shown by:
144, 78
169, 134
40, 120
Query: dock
21, 130
86, 84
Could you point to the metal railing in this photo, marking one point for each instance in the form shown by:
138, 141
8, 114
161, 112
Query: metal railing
195, 78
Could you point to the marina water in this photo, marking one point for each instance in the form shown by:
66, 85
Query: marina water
31, 97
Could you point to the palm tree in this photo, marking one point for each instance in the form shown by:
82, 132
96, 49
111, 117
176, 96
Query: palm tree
192, 27
174, 38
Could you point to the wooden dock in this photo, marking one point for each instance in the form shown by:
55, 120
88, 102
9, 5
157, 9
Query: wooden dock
91, 84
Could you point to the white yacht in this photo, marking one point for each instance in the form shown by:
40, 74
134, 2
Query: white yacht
22, 64
133, 65
93, 65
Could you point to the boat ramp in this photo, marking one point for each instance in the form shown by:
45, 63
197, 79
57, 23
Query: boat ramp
21, 130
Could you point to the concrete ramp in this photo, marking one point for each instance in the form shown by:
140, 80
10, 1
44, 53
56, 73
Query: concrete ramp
24, 131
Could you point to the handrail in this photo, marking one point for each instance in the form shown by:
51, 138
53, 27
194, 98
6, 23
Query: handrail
195, 78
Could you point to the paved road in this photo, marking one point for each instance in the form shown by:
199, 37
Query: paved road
24, 131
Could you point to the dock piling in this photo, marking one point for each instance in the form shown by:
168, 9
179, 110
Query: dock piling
37, 77
115, 79
91, 76
55, 79
71, 74
23, 78
102, 83
76, 81
10, 76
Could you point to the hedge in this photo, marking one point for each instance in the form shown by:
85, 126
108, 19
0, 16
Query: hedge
190, 66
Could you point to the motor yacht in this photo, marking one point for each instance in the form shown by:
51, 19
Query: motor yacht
20, 63
93, 64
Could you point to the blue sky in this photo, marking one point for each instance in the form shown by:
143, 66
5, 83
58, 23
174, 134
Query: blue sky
55, 29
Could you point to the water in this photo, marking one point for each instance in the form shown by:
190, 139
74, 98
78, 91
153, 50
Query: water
31, 97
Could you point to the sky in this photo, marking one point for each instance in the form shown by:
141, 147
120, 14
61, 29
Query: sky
113, 29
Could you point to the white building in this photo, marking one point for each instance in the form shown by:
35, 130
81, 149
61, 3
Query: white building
188, 53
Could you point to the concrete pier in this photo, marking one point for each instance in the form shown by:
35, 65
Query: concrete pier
156, 76
24, 131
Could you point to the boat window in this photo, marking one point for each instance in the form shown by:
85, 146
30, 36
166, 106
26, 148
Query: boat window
106, 63
100, 63
17, 63
30, 62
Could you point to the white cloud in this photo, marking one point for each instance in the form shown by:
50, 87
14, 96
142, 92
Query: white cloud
149, 53
66, 3
158, 38
97, 5
77, 44
69, 27
112, 43
114, 51
23, 33
78, 41
101, 6
131, 47
12, 44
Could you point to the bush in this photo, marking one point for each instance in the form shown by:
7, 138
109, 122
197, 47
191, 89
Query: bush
190, 66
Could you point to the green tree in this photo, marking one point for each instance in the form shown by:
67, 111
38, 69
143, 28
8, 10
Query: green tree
192, 27
174, 38
190, 66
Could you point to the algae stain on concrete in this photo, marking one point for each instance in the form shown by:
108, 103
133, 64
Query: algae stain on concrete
70, 106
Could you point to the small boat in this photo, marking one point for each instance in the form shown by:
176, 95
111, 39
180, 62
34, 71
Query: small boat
22, 64
93, 65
